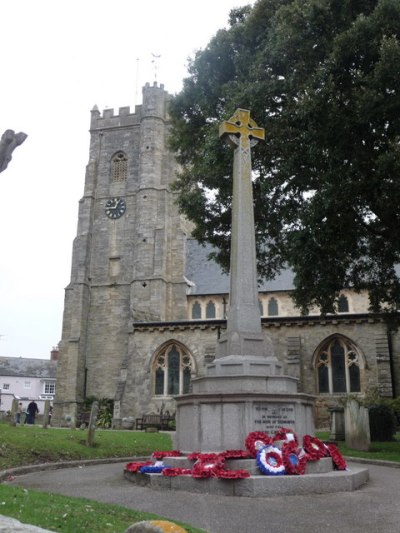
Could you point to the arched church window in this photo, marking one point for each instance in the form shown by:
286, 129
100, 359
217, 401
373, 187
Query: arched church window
210, 310
172, 371
272, 307
338, 367
261, 307
119, 167
343, 304
196, 310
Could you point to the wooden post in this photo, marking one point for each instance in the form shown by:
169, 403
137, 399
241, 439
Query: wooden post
14, 407
46, 414
92, 424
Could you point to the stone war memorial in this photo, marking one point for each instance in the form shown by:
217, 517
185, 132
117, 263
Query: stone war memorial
245, 400
244, 389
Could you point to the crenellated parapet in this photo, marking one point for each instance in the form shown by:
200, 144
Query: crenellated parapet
155, 102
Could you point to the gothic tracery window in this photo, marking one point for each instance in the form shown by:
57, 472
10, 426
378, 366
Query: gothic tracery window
172, 371
119, 167
338, 367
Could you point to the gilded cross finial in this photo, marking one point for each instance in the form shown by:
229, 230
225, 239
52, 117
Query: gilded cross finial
241, 129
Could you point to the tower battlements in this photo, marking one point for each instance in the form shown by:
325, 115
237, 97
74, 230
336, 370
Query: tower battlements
155, 101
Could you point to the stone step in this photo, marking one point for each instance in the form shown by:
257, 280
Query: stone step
259, 485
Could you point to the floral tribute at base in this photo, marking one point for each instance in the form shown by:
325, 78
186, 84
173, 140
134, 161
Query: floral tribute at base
275, 455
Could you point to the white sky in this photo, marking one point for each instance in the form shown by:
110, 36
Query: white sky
58, 59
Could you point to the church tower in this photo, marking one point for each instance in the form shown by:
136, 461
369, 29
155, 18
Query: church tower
128, 255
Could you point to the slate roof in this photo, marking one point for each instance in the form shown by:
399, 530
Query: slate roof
207, 277
26, 367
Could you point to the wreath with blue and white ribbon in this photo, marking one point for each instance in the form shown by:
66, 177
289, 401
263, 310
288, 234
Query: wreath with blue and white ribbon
270, 462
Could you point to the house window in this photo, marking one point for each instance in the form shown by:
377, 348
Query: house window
119, 167
196, 310
171, 371
6, 386
27, 384
49, 387
210, 310
272, 307
343, 304
338, 367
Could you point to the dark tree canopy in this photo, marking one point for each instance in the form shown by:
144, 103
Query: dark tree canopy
323, 78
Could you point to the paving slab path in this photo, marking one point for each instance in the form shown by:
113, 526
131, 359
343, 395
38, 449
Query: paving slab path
374, 508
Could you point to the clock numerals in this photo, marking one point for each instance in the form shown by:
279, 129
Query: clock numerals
115, 208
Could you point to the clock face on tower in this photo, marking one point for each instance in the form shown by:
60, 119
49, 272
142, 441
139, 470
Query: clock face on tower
115, 207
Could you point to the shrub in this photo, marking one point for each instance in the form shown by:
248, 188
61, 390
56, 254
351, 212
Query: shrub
381, 422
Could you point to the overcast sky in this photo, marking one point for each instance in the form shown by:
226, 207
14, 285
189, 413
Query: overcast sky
58, 59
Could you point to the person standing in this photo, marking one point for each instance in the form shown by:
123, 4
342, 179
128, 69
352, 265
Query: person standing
32, 410
18, 413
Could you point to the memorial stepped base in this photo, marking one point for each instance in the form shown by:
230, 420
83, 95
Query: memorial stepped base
320, 478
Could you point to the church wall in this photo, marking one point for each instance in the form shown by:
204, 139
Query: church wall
294, 345
139, 395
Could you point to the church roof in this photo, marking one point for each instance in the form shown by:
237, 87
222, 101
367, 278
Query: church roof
27, 367
206, 276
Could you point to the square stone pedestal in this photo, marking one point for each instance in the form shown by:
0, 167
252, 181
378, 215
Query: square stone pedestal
215, 421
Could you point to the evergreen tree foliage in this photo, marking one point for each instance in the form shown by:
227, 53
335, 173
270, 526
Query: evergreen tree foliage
323, 78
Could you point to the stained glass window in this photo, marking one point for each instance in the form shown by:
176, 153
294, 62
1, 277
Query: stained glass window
338, 367
172, 371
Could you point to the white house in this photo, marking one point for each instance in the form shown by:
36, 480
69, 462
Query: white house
27, 379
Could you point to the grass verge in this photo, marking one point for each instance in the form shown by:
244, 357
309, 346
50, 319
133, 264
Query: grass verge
70, 515
23, 445
382, 451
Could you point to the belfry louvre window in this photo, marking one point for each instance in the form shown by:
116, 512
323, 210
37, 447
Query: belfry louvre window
119, 167
338, 367
172, 371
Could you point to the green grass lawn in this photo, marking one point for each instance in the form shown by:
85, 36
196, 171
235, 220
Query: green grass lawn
382, 451
70, 515
25, 445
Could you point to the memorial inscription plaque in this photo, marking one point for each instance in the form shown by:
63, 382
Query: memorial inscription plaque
270, 417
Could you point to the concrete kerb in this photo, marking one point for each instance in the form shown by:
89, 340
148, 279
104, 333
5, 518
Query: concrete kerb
29, 469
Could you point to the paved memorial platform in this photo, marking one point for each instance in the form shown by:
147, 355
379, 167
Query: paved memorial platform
320, 478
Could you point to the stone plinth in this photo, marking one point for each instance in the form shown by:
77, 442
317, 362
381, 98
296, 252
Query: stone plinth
215, 421
259, 486
250, 365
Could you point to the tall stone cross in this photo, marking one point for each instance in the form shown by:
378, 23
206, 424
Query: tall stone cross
244, 334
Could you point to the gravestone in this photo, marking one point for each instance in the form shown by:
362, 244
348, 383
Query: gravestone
244, 388
92, 424
356, 421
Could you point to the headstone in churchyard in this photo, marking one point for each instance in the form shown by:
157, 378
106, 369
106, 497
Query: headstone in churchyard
337, 431
356, 421
92, 423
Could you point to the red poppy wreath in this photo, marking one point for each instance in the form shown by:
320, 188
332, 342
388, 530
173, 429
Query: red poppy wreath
314, 448
257, 440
